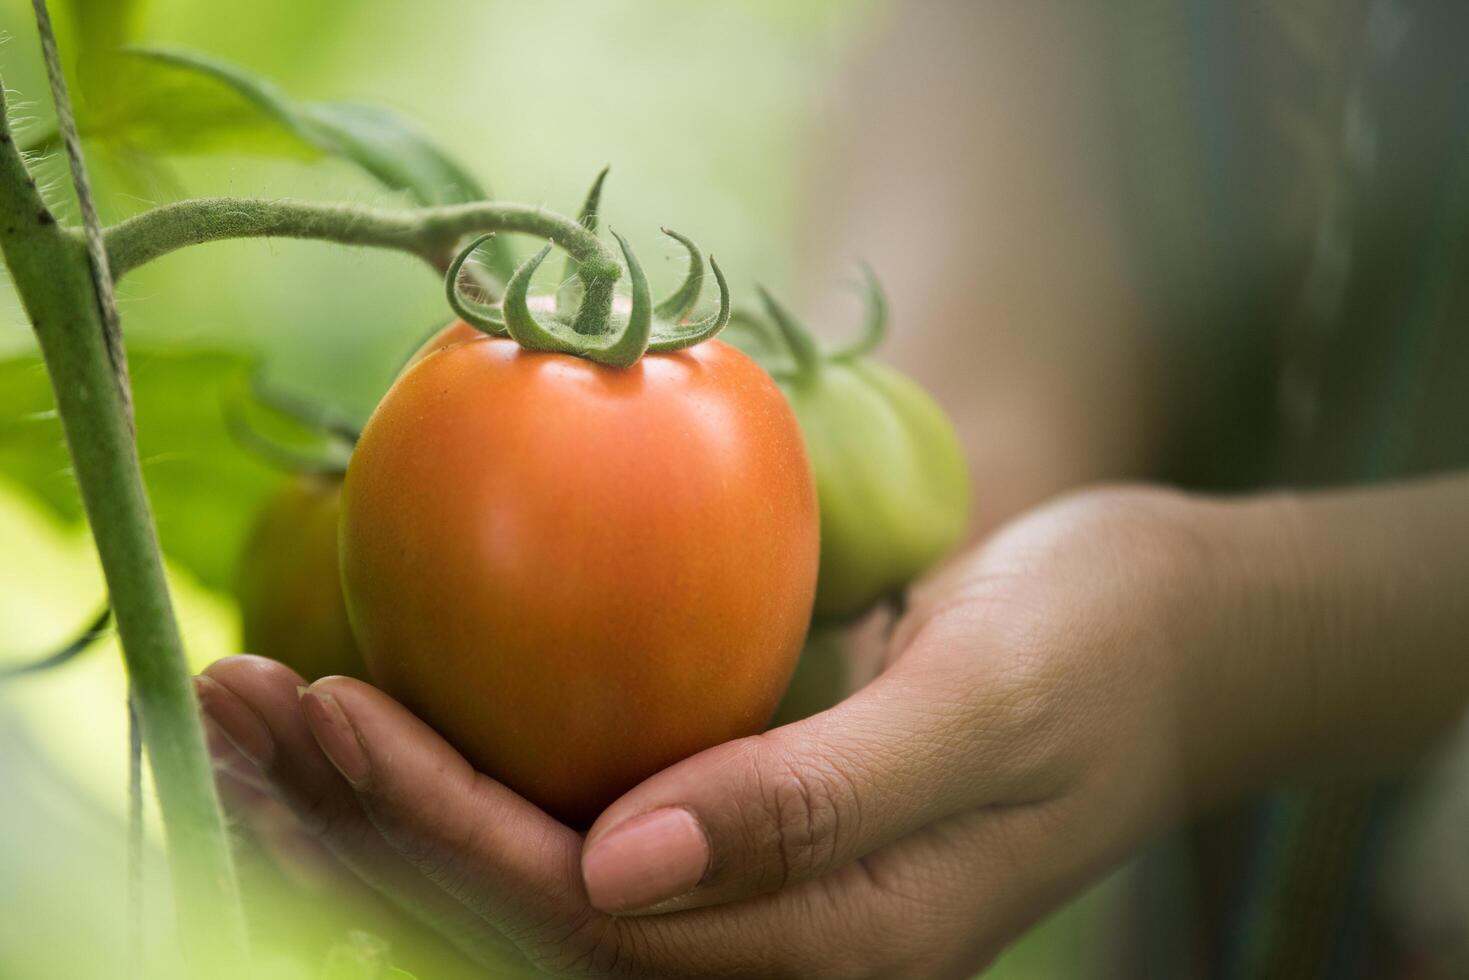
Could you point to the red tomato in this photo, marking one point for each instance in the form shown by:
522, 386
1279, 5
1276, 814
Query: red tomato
455, 333
290, 592
581, 574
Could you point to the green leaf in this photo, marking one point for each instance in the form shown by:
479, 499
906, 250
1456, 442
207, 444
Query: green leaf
99, 28
184, 102
171, 107
204, 489
382, 143
392, 150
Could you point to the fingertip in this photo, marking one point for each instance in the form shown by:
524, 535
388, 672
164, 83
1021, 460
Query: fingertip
337, 736
251, 670
347, 690
232, 717
645, 861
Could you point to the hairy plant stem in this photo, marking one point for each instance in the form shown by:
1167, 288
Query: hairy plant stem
55, 280
429, 233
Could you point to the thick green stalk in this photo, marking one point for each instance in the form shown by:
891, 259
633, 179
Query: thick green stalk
430, 233
51, 271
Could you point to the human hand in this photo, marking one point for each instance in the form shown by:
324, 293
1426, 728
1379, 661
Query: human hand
1045, 704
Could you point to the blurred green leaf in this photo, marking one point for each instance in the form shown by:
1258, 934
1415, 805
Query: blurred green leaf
183, 102
143, 100
392, 150
99, 28
176, 104
204, 489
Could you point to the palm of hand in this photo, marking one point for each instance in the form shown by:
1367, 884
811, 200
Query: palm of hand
1016, 743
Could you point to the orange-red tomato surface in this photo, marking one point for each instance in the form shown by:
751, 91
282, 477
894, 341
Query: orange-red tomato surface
580, 574
450, 335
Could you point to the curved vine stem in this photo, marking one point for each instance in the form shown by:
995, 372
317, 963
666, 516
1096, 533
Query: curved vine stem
430, 233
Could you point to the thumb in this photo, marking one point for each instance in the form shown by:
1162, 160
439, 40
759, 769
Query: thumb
755, 814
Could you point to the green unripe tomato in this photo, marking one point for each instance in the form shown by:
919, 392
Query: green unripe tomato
891, 477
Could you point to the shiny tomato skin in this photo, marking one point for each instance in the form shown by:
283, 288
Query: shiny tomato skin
579, 574
450, 335
288, 584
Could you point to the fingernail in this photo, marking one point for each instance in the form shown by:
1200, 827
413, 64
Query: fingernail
646, 860
336, 736
235, 720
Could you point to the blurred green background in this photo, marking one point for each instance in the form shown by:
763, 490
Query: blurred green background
703, 113
699, 109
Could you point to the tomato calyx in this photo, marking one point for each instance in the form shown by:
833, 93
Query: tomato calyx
594, 332
890, 471
804, 357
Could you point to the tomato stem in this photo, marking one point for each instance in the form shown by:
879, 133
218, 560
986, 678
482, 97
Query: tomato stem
430, 233
621, 348
570, 290
66, 292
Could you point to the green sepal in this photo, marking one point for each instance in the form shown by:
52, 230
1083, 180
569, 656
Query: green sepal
803, 347
678, 304
481, 316
675, 336
783, 329
621, 348
874, 326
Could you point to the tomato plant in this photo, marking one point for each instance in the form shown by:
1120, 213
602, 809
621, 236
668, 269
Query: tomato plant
583, 546
64, 275
890, 472
581, 573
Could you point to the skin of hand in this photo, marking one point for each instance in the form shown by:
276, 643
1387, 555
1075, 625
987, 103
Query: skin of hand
1094, 671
